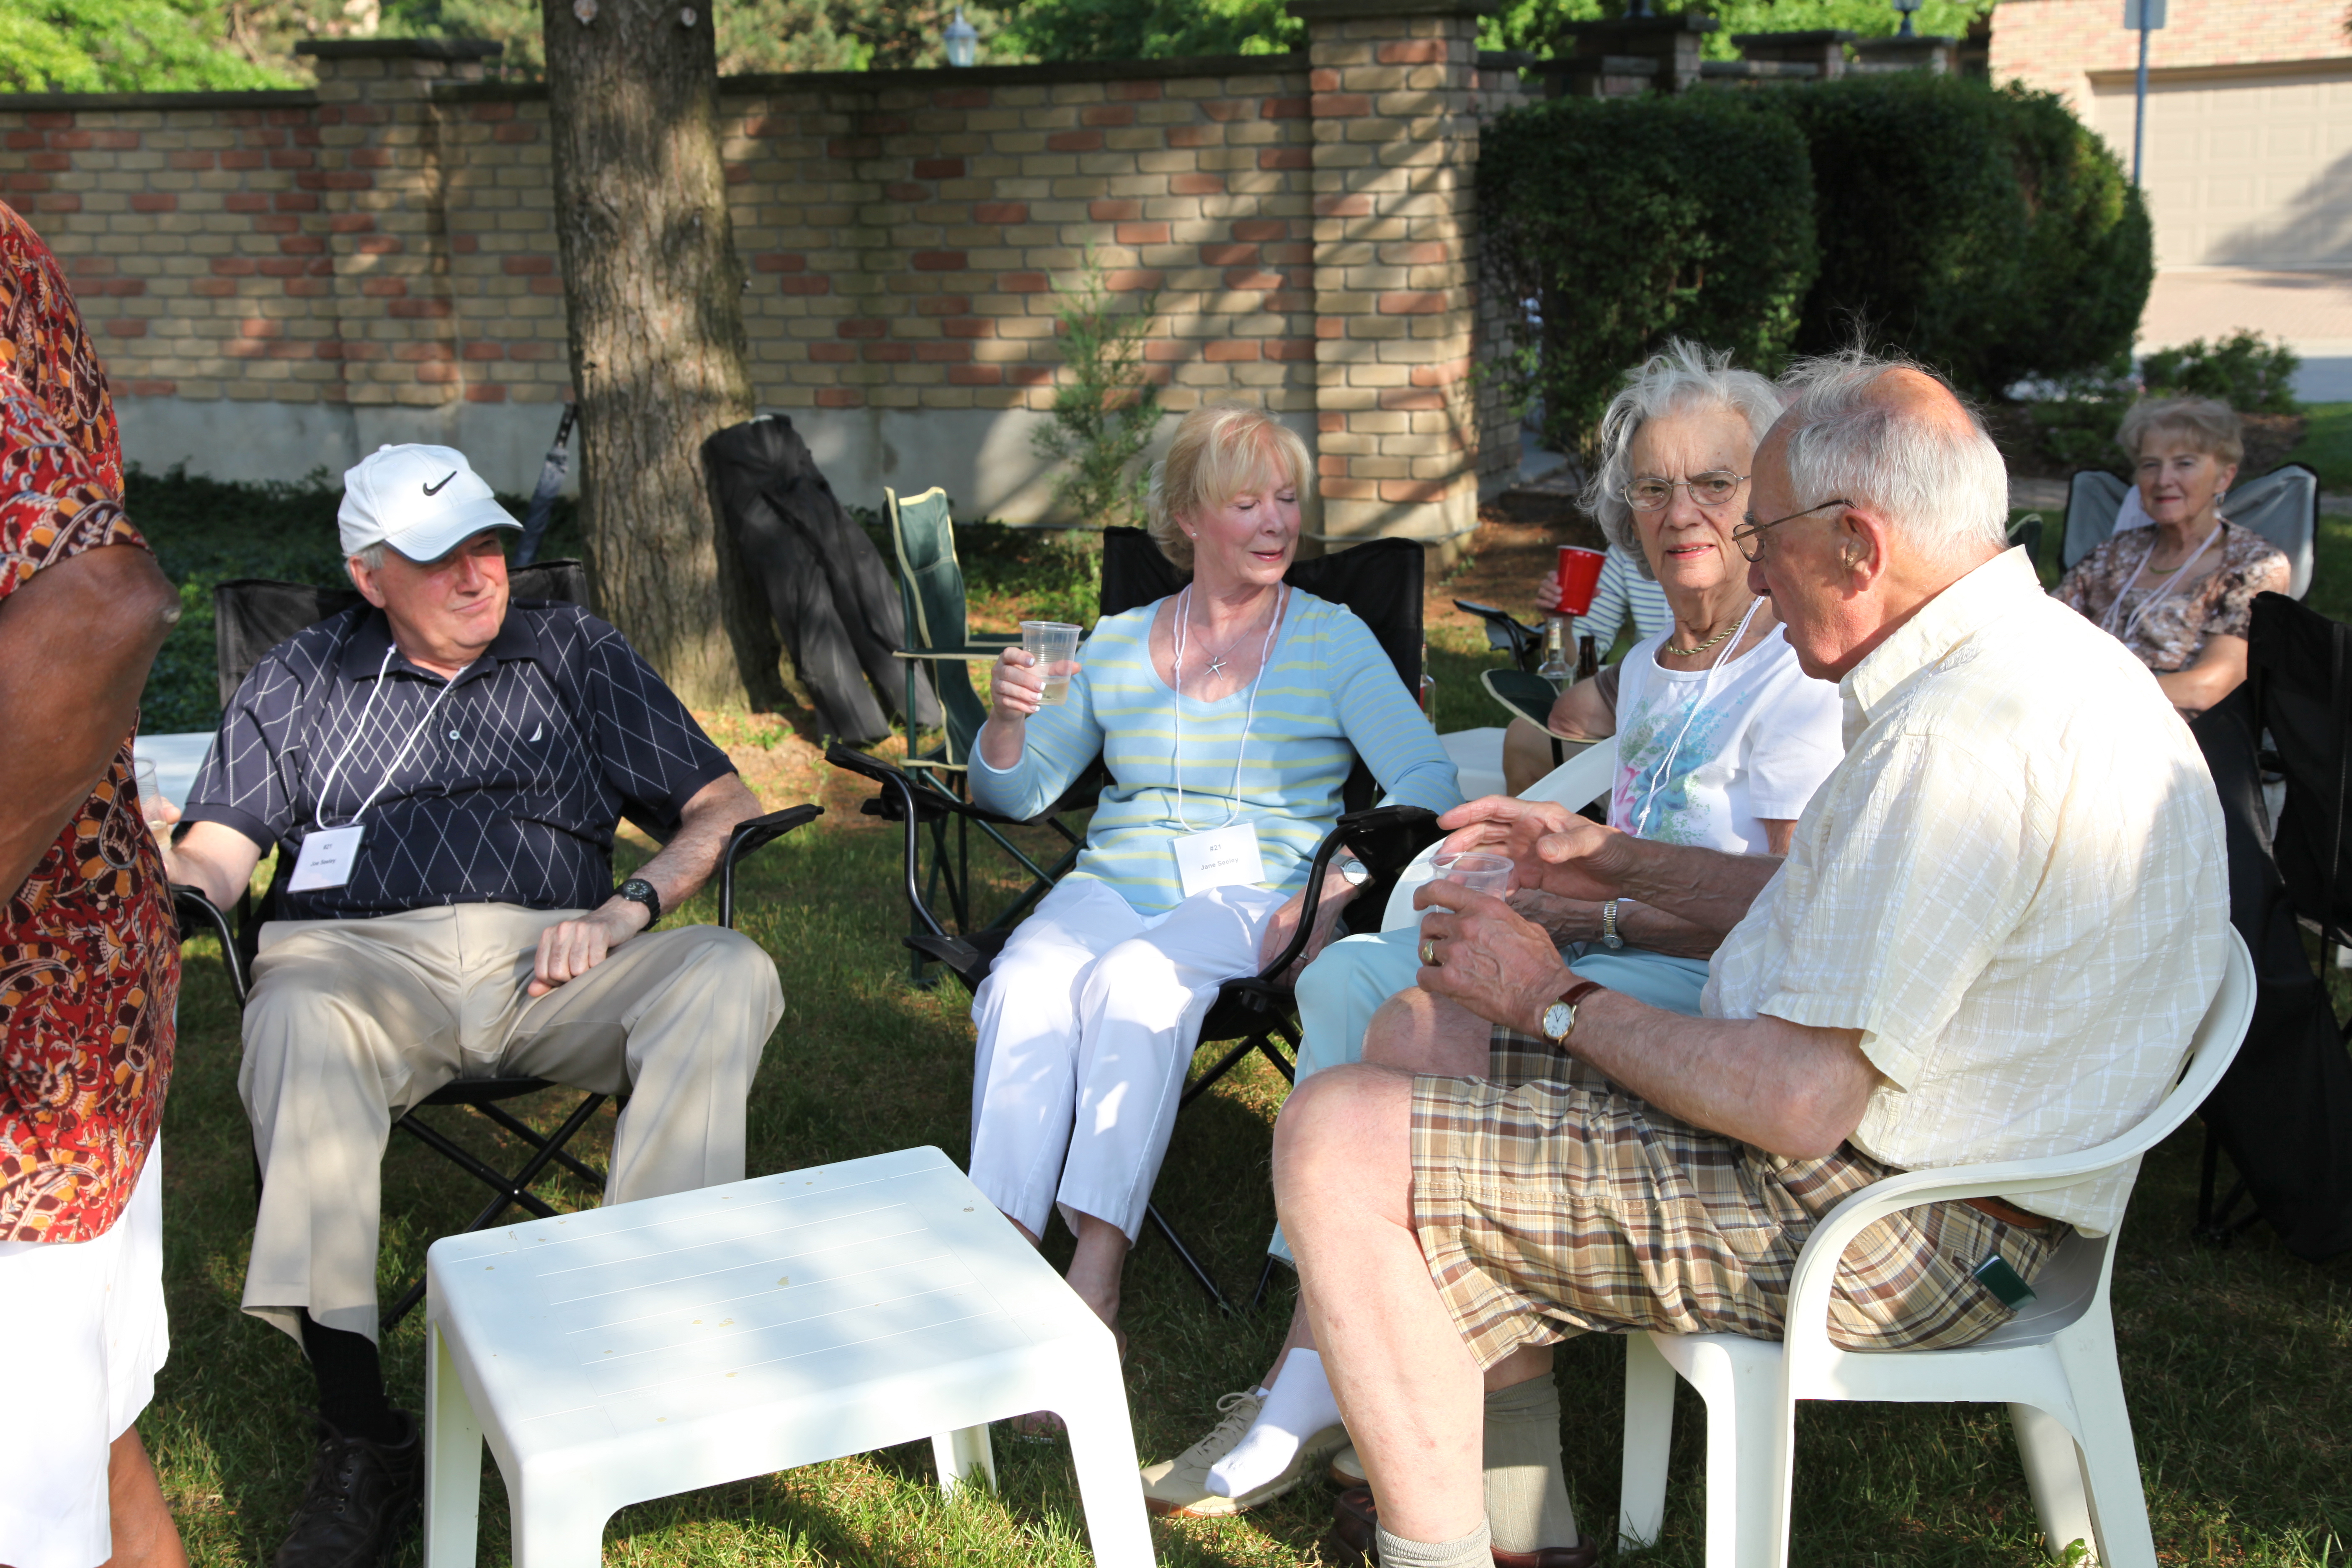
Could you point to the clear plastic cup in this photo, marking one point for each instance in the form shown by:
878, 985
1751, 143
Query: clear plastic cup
1055, 646
153, 807
1477, 871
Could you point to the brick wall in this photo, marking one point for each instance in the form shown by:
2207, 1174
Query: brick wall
2055, 44
276, 275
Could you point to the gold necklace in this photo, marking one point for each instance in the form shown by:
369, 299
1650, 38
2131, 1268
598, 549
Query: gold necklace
1693, 652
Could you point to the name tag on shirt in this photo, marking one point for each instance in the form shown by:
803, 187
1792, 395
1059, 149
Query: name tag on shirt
1221, 858
327, 858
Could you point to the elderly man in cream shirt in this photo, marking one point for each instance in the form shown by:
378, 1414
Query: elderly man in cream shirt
1997, 928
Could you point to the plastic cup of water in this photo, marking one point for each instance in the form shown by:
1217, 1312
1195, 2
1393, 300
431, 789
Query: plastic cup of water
153, 807
1477, 871
1054, 646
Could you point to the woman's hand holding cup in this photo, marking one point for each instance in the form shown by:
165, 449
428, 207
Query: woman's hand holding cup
1017, 687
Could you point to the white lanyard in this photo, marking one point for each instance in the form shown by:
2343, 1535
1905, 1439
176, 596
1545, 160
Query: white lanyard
1664, 768
2108, 621
1249, 717
361, 728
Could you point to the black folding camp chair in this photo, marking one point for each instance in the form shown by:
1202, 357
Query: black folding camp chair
1381, 582
255, 615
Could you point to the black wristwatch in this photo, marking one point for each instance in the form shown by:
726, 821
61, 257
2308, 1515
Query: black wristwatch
637, 890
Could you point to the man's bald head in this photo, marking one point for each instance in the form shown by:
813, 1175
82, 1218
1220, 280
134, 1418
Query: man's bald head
1893, 437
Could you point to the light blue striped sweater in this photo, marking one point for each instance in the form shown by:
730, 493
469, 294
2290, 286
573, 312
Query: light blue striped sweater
1329, 695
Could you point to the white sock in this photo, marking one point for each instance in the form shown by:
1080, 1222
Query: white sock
1300, 1405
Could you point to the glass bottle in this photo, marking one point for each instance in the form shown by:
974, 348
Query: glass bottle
1555, 666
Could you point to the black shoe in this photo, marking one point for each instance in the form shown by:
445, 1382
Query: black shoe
361, 1500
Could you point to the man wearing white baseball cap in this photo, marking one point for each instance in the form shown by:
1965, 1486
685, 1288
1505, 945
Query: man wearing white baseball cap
443, 770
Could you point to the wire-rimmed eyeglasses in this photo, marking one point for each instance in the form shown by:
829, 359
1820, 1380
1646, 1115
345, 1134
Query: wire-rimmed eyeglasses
1749, 535
1707, 489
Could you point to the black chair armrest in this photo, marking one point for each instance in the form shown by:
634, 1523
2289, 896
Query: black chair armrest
197, 911
751, 835
1506, 631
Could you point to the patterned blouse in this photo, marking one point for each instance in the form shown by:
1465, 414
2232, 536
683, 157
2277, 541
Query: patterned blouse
2171, 631
89, 960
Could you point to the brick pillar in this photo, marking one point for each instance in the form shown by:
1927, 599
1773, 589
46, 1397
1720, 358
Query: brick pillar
1394, 86
378, 231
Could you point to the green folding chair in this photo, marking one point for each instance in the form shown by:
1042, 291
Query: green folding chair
931, 591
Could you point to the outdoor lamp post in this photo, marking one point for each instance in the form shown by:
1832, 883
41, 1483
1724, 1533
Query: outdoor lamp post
963, 40
1907, 8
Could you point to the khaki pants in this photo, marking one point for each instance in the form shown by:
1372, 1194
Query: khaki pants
352, 1022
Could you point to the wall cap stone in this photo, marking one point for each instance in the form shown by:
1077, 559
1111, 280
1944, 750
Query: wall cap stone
2334, 65
251, 98
1345, 10
1616, 30
1801, 37
400, 49
935, 77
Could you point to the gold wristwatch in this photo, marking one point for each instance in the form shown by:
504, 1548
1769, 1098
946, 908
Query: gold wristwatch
1560, 1018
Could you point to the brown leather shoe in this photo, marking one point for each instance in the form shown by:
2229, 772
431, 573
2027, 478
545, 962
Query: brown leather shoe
1355, 1530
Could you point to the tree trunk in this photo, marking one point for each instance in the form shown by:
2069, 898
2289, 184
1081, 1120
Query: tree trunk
654, 294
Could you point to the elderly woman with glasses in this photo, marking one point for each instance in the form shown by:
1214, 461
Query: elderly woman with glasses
1721, 741
2180, 593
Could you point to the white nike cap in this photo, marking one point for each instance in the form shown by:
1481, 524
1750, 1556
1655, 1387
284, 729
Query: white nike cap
424, 502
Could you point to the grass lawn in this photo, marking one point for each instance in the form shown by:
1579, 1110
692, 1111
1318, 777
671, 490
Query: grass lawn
2326, 445
2238, 1362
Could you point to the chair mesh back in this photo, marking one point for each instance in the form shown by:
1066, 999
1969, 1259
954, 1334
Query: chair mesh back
930, 586
1379, 579
253, 615
2282, 506
2300, 664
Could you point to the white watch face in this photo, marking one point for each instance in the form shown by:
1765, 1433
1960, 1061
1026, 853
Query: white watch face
1557, 1020
1356, 872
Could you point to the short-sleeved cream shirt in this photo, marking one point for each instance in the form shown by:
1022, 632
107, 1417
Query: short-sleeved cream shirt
2014, 886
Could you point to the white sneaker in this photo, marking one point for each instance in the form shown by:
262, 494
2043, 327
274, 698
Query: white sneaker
1179, 1487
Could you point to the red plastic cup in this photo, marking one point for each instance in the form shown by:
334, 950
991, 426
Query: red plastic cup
1579, 574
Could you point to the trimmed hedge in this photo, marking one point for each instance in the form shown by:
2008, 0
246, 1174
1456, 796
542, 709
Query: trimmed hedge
1988, 234
1628, 221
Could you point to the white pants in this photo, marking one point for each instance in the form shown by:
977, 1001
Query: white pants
1087, 1027
84, 1326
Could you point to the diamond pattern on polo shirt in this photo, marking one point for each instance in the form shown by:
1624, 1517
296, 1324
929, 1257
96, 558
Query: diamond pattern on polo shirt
503, 787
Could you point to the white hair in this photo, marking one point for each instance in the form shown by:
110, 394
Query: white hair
1945, 490
370, 555
1686, 378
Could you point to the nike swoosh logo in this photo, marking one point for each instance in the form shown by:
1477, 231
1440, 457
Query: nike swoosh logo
436, 490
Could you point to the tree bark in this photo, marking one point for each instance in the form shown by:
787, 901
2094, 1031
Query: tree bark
654, 296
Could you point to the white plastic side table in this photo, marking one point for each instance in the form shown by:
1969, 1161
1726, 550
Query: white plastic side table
657, 1347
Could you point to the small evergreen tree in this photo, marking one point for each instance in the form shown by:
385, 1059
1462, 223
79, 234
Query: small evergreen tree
1105, 413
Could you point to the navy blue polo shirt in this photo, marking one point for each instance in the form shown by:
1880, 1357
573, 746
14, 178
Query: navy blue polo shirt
503, 787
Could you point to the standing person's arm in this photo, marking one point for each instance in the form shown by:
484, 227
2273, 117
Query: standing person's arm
76, 642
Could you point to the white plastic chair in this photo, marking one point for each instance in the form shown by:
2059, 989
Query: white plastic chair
2054, 1365
1575, 783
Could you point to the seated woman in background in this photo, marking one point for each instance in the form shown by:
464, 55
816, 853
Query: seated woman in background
1229, 716
1722, 741
2180, 595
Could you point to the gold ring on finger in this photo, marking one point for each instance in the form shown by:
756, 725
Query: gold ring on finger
1428, 950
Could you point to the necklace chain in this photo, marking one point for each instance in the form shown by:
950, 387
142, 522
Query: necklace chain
1216, 666
1694, 652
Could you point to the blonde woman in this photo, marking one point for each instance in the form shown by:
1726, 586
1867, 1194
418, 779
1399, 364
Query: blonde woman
1229, 716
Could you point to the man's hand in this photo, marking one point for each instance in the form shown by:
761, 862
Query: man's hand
1563, 919
1489, 958
1551, 847
570, 949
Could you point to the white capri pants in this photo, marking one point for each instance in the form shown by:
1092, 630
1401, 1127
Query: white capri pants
1087, 1023
84, 1325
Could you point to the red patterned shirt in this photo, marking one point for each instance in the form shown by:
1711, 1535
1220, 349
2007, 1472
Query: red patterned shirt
90, 961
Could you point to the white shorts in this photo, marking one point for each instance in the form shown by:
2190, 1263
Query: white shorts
84, 1329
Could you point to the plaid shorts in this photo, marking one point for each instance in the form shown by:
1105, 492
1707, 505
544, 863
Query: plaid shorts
1551, 1203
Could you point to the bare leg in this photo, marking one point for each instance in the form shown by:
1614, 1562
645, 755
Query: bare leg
1415, 1032
1411, 1392
1526, 756
144, 1535
1096, 1268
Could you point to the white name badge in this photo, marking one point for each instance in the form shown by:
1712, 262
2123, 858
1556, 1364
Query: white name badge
328, 857
1221, 858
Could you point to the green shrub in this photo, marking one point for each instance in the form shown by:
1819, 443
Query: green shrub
1988, 234
1631, 221
2245, 370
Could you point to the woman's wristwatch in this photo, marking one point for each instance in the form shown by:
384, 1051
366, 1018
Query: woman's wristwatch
1354, 872
1609, 937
